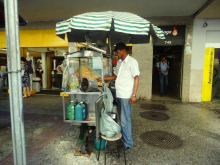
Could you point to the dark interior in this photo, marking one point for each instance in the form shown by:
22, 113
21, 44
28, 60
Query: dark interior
174, 55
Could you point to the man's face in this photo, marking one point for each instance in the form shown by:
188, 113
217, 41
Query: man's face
163, 58
119, 53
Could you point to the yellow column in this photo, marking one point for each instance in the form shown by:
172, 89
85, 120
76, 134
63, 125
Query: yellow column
208, 74
23, 52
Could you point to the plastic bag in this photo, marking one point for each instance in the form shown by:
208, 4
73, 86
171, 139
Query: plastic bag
108, 99
108, 126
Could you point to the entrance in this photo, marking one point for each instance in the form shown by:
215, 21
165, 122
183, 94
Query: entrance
174, 55
56, 78
216, 75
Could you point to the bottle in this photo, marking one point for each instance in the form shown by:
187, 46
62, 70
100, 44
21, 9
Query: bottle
78, 112
74, 82
71, 111
76, 101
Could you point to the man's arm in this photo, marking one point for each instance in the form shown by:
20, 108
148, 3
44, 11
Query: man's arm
59, 68
108, 78
113, 77
158, 69
166, 70
136, 83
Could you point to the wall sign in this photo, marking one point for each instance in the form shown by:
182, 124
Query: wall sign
175, 35
208, 74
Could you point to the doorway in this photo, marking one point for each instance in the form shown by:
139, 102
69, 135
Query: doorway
216, 75
174, 55
56, 79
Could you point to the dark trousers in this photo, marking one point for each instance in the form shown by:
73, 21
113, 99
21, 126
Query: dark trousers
60, 78
163, 82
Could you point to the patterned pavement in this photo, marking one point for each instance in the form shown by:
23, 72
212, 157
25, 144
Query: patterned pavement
51, 141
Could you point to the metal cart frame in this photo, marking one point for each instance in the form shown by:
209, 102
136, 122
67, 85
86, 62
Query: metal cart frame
93, 99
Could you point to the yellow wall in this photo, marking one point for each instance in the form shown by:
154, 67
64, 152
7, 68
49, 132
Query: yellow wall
36, 38
39, 38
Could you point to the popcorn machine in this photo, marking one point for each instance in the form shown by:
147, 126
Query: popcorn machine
84, 67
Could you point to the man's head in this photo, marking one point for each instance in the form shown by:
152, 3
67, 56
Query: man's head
163, 58
121, 50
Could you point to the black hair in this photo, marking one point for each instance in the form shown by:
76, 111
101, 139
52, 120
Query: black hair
120, 46
23, 59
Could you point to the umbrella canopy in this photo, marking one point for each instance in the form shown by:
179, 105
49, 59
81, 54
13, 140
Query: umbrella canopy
118, 26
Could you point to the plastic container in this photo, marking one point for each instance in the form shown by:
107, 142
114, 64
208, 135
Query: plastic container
73, 66
97, 144
36, 84
71, 111
80, 111
74, 82
84, 110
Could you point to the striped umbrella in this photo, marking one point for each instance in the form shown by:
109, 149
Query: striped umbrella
118, 26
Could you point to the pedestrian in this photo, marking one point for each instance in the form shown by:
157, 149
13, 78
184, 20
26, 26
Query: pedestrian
60, 74
126, 75
25, 78
163, 67
65, 73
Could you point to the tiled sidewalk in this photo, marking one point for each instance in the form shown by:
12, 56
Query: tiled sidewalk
50, 141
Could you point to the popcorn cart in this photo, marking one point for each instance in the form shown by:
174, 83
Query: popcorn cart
84, 67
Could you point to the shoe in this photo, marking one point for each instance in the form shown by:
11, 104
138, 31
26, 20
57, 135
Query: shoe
161, 95
121, 149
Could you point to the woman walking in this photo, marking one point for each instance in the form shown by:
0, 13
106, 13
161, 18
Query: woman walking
25, 78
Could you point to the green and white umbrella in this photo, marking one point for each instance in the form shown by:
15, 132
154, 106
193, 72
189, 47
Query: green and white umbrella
118, 26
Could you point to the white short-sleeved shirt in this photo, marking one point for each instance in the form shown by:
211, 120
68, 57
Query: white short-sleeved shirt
126, 71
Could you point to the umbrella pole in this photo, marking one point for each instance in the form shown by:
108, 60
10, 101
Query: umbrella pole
110, 48
110, 44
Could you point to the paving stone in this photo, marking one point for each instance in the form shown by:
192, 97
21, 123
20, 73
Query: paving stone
50, 141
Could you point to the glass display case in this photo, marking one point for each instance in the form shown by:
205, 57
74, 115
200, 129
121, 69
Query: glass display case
83, 64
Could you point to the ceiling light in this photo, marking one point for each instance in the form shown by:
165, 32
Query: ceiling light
205, 24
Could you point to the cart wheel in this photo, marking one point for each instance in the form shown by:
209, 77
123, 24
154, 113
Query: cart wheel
83, 149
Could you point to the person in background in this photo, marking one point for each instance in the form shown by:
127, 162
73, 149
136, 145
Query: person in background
60, 74
65, 73
126, 75
25, 78
163, 67
30, 64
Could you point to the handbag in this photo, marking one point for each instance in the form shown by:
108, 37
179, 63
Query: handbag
22, 72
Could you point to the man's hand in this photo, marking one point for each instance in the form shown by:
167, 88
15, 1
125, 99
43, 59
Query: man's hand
165, 71
99, 79
133, 99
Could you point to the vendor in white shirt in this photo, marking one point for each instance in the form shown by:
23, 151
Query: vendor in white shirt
126, 75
